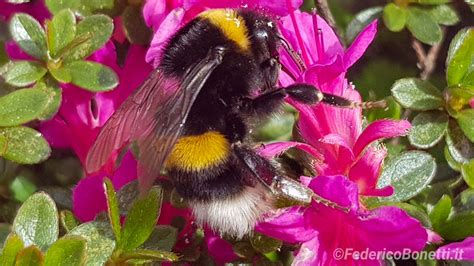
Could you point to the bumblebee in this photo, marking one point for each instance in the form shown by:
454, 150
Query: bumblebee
218, 75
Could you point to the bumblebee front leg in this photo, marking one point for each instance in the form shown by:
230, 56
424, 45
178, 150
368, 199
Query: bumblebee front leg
268, 102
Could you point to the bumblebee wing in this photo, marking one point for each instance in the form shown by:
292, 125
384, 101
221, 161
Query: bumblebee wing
154, 116
132, 119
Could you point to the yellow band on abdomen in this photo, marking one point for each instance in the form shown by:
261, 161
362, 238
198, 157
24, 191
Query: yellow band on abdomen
198, 152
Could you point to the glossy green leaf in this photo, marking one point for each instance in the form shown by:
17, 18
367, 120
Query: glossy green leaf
23, 145
441, 211
5, 230
458, 226
459, 146
417, 94
36, 222
466, 123
467, 171
22, 188
61, 74
445, 15
61, 31
100, 243
24, 73
67, 251
464, 202
423, 26
22, 106
126, 196
68, 220
30, 256
113, 210
141, 220
460, 56
428, 128
96, 30
92, 76
82, 7
450, 160
361, 20
392, 111
153, 255
54, 93
395, 17
29, 35
265, 244
55, 6
409, 173
12, 246
163, 237
243, 250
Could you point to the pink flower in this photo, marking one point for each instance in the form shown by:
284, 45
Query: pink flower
338, 142
166, 17
457, 251
89, 195
324, 230
221, 250
82, 114
36, 9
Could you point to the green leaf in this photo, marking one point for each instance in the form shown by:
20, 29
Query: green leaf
458, 226
99, 28
465, 120
141, 220
67, 251
163, 237
409, 173
82, 7
22, 106
5, 230
459, 147
361, 20
265, 244
153, 255
54, 93
464, 202
60, 73
22, 188
24, 73
135, 27
12, 246
113, 210
395, 17
467, 171
92, 76
417, 94
61, 31
444, 15
428, 128
423, 26
100, 243
440, 211
68, 220
451, 162
460, 56
30, 256
392, 111
23, 145
29, 35
36, 222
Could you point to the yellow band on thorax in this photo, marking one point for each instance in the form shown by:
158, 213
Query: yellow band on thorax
198, 152
231, 24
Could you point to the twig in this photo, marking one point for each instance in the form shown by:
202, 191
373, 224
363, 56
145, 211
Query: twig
427, 61
323, 9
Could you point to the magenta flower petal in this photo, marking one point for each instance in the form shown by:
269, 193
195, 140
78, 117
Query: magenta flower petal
287, 225
378, 130
472, 103
166, 29
360, 44
337, 189
366, 171
221, 250
308, 253
275, 149
457, 251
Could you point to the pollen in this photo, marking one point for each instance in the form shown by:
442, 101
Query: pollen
231, 24
199, 152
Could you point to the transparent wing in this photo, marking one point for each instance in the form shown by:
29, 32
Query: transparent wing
154, 116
